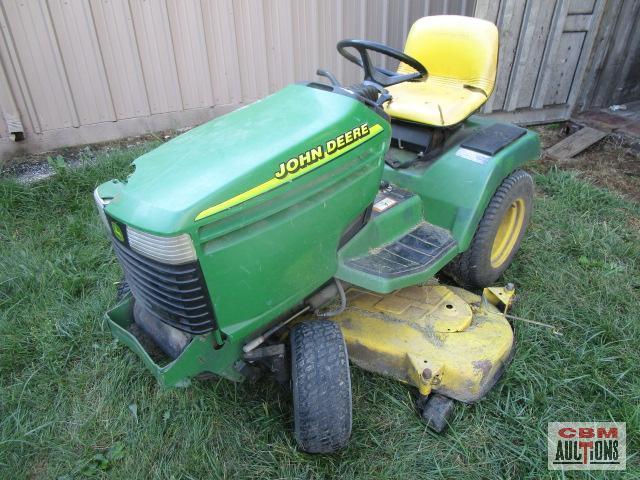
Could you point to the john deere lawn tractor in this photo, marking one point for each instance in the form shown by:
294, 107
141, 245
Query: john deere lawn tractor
305, 230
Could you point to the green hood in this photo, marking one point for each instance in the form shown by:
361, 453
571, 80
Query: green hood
229, 156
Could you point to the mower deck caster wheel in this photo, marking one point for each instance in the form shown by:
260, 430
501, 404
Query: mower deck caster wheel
435, 410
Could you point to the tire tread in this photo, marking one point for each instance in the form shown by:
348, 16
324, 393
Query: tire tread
321, 386
469, 269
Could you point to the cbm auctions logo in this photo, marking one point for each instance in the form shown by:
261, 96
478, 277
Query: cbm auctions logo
586, 446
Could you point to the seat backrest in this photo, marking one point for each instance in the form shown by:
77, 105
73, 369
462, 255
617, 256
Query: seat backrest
453, 47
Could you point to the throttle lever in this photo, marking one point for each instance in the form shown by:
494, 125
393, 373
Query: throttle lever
325, 73
383, 98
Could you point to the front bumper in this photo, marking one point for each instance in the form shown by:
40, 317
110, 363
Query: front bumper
198, 357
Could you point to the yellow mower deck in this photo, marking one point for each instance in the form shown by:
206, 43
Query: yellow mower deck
438, 338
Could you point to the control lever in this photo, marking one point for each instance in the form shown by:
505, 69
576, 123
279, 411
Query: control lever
383, 94
325, 73
383, 98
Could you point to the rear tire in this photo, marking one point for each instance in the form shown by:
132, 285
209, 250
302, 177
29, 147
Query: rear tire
321, 386
498, 236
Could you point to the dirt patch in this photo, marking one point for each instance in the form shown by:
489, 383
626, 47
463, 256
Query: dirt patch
36, 166
38, 469
611, 163
550, 134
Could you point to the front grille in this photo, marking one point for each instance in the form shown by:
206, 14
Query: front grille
174, 294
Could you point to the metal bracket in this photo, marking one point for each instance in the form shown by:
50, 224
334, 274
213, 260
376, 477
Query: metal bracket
500, 296
273, 357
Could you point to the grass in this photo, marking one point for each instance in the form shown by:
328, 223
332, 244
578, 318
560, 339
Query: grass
74, 403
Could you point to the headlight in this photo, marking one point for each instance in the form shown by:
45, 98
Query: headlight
100, 203
169, 250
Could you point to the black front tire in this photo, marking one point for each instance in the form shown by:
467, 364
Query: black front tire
321, 386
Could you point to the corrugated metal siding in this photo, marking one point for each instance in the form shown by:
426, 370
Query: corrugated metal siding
113, 23
83, 71
35, 52
70, 68
222, 51
155, 46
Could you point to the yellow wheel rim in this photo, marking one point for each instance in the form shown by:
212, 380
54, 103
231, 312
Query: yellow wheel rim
508, 233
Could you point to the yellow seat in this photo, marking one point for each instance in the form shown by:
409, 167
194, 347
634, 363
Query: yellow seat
461, 56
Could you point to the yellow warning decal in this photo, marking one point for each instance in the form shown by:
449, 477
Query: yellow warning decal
301, 164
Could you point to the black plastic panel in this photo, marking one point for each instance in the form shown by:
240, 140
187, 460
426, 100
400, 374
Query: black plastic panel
355, 226
410, 136
415, 252
174, 294
492, 139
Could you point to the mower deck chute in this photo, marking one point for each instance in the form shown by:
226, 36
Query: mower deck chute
438, 338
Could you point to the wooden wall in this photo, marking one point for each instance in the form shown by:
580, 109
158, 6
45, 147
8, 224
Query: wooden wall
613, 73
544, 52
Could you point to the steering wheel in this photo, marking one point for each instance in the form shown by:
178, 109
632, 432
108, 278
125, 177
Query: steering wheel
380, 75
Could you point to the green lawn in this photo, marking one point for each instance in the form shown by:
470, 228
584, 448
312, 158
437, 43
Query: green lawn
74, 403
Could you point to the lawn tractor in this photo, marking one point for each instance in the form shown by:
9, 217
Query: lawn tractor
304, 230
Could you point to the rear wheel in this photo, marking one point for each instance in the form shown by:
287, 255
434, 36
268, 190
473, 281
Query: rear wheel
321, 386
499, 234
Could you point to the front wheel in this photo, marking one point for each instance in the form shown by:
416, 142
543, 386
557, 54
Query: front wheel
499, 234
321, 386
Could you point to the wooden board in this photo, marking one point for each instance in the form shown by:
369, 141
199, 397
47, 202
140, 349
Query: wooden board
574, 144
561, 68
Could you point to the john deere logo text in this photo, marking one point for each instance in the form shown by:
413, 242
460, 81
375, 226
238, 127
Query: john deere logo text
301, 164
586, 446
321, 151
117, 231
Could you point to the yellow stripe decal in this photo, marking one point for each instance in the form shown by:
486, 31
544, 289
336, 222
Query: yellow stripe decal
303, 163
